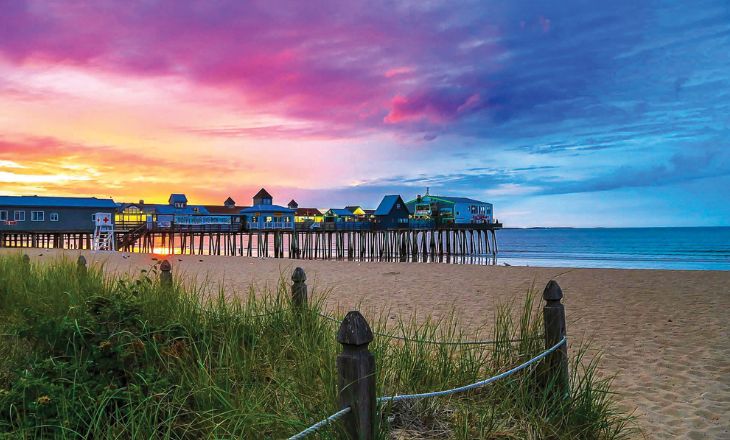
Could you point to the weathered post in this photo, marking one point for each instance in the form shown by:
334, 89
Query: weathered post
554, 319
25, 265
299, 288
356, 377
81, 266
166, 274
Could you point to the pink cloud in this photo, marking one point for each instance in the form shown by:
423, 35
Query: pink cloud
321, 62
396, 71
436, 106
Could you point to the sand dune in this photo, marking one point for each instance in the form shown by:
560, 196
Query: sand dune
665, 334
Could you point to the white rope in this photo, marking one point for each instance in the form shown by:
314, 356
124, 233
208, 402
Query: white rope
321, 423
481, 383
461, 389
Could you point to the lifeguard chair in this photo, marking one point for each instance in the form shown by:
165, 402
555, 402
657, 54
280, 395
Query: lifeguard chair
103, 232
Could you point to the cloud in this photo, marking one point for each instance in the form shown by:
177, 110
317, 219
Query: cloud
51, 166
499, 99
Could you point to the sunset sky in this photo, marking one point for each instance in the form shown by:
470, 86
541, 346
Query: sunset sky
561, 113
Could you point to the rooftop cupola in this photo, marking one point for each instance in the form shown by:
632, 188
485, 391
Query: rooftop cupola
262, 198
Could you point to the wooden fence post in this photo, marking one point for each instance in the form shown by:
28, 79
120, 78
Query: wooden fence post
166, 274
81, 266
356, 377
299, 288
554, 319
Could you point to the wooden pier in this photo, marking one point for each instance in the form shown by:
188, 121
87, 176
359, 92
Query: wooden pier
446, 243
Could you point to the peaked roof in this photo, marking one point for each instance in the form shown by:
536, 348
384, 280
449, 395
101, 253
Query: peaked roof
177, 198
263, 194
63, 202
229, 201
386, 205
353, 208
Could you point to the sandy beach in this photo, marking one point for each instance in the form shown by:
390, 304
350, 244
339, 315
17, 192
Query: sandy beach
664, 334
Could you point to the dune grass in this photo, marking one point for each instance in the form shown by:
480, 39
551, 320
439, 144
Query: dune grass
96, 356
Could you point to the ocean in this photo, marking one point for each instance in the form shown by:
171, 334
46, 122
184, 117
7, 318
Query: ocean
620, 248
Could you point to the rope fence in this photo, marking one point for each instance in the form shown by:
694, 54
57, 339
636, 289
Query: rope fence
324, 422
356, 364
461, 389
474, 385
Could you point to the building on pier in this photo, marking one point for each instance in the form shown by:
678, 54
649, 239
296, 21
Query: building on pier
130, 215
337, 215
264, 215
52, 214
451, 210
392, 213
308, 215
180, 214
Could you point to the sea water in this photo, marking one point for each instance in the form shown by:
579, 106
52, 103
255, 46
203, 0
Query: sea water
621, 248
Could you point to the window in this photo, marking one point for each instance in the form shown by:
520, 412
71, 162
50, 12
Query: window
179, 205
3, 216
397, 205
19, 216
37, 216
53, 217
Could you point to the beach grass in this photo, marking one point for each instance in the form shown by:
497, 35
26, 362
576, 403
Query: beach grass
84, 354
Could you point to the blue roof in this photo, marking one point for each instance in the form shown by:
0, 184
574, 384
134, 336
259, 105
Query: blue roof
386, 205
452, 200
62, 202
171, 210
342, 212
268, 208
178, 198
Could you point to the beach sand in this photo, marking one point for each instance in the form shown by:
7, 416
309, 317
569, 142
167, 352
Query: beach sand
664, 334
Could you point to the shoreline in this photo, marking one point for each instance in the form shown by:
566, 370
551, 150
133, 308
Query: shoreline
664, 333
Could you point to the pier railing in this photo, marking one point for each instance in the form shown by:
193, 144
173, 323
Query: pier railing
269, 225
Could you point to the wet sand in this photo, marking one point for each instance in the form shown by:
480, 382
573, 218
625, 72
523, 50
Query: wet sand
665, 334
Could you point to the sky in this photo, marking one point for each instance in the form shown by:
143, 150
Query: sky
559, 113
